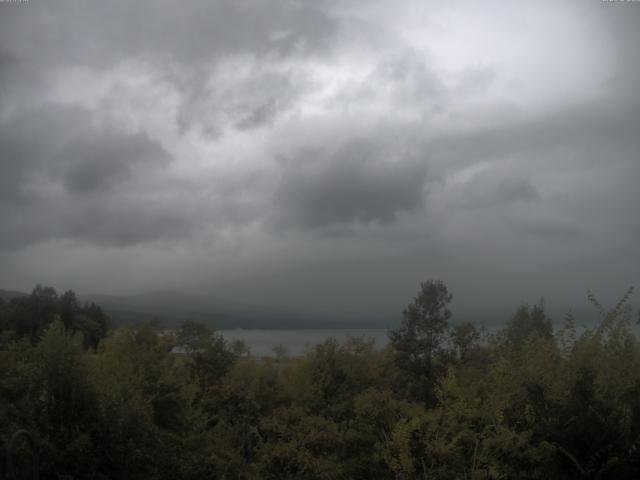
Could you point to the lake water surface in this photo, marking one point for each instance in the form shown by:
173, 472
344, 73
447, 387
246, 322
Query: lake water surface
261, 342
296, 342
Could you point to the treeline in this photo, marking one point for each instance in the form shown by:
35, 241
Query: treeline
27, 317
442, 401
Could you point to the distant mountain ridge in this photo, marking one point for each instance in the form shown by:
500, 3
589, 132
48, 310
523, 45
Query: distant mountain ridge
171, 308
8, 295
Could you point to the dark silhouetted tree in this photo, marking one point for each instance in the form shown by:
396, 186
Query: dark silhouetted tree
528, 321
464, 337
210, 356
421, 335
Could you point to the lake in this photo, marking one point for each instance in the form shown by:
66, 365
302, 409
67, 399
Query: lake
296, 342
261, 342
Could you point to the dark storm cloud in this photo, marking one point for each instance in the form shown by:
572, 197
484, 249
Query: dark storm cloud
102, 160
58, 143
125, 222
64, 178
607, 125
565, 177
27, 140
356, 183
114, 222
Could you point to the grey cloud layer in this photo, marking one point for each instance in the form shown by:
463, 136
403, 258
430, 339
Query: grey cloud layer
360, 182
102, 33
268, 136
65, 178
181, 44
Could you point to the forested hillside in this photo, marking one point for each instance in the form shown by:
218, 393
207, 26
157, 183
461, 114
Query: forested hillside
442, 401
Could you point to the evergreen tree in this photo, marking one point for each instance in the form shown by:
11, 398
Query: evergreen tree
420, 337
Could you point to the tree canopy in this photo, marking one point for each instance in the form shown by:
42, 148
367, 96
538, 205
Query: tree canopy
445, 401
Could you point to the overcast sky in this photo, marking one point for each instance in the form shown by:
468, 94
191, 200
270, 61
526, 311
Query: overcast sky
322, 155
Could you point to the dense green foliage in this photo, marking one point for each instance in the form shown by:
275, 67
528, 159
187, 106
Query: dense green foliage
441, 401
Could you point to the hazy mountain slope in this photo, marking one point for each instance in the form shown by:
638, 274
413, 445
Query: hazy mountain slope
171, 308
7, 295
